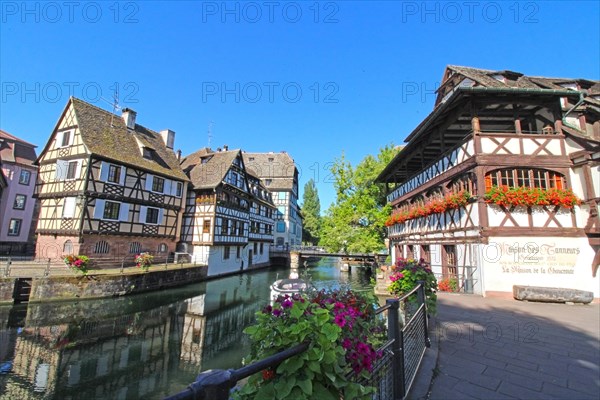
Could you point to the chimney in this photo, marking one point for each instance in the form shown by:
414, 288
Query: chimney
168, 136
178, 154
129, 117
225, 147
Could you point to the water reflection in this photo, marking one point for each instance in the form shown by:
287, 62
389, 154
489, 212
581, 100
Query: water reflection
146, 346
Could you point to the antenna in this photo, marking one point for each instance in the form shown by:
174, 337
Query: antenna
114, 103
210, 135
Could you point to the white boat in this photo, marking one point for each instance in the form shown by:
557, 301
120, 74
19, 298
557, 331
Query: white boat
287, 286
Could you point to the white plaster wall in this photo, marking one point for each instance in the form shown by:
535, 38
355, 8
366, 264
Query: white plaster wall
538, 263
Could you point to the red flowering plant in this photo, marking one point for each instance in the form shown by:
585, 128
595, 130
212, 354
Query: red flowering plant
406, 275
77, 263
342, 332
524, 196
435, 206
448, 285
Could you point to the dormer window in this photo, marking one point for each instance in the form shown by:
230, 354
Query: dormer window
147, 153
499, 78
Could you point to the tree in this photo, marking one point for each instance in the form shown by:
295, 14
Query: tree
311, 209
356, 221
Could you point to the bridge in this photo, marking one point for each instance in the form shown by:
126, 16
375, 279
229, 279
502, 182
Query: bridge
296, 253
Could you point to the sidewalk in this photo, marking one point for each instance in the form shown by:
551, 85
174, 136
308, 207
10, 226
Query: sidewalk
493, 348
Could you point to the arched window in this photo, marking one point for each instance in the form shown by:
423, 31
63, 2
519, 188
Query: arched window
162, 248
68, 247
135, 248
531, 178
101, 247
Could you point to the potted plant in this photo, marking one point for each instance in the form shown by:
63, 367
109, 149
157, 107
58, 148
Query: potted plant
342, 332
406, 275
77, 263
144, 260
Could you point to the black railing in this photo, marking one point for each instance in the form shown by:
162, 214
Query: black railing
392, 375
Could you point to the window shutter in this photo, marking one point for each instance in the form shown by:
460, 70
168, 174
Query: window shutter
61, 170
99, 209
104, 171
167, 188
124, 212
143, 210
78, 169
149, 179
69, 207
123, 175
59, 139
160, 215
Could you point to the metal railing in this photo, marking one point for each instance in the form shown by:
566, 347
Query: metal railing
392, 375
464, 277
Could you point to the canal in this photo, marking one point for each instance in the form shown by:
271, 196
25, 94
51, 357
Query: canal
144, 346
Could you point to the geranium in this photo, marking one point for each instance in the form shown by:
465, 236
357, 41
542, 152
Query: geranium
342, 332
524, 196
406, 275
435, 206
448, 285
144, 260
77, 263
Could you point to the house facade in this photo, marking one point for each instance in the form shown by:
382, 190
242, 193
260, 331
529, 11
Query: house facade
228, 219
499, 185
279, 175
18, 208
108, 187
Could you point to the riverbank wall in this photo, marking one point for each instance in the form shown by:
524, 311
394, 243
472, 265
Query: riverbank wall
106, 284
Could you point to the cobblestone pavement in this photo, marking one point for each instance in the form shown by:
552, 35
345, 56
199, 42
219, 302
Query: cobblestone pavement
492, 348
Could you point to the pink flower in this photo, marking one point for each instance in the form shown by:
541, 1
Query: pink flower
340, 320
287, 303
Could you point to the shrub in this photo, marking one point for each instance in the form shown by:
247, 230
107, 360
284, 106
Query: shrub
406, 276
77, 263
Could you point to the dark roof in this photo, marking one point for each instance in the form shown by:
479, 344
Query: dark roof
106, 136
206, 168
484, 77
279, 168
15, 150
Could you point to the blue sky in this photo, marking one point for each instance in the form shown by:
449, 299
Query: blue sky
316, 79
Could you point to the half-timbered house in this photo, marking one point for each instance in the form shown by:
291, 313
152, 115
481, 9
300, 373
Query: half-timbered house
279, 175
109, 187
499, 185
227, 222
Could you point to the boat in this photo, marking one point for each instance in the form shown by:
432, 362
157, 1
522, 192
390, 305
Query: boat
288, 286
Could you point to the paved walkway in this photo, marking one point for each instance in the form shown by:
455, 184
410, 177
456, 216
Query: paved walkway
506, 349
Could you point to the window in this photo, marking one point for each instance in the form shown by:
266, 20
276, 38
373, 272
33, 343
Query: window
255, 248
238, 252
147, 153
280, 226
14, 227
67, 170
226, 252
425, 252
114, 173
206, 226
158, 184
71, 170
69, 207
111, 210
101, 247
135, 248
68, 247
163, 248
450, 260
268, 182
65, 138
20, 201
152, 215
531, 178
24, 177
179, 189
261, 248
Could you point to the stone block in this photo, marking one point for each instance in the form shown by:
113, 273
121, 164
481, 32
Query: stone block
551, 294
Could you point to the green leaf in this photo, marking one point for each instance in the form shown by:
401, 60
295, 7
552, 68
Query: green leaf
296, 311
283, 387
306, 386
